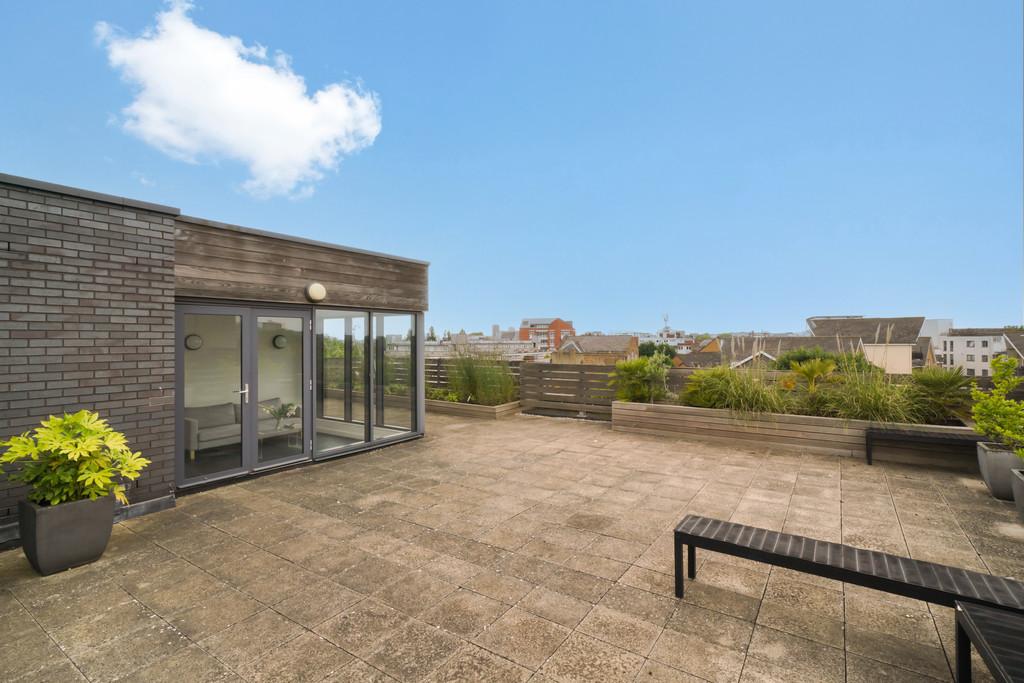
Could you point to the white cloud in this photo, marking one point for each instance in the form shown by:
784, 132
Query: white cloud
202, 96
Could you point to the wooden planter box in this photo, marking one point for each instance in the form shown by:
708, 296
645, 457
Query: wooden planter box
472, 410
801, 432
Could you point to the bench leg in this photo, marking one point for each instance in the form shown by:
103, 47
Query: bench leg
963, 656
691, 561
678, 548
867, 447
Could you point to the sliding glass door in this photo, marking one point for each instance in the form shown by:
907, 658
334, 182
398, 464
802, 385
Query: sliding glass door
365, 379
394, 374
214, 388
245, 379
281, 387
343, 397
264, 387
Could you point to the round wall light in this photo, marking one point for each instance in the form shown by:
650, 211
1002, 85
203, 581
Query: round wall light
316, 291
280, 341
193, 342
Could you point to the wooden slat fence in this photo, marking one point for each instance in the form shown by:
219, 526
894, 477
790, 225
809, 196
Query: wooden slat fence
566, 390
435, 371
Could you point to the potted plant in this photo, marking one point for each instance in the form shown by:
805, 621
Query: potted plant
1001, 419
280, 411
74, 466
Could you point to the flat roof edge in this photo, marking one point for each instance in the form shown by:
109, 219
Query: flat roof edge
292, 238
87, 194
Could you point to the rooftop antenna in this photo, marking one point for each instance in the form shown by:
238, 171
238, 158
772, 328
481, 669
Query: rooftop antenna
664, 317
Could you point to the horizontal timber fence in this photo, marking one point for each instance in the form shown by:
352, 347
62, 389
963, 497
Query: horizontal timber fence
435, 371
566, 390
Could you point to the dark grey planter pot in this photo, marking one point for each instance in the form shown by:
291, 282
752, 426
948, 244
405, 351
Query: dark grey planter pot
1018, 492
996, 463
63, 536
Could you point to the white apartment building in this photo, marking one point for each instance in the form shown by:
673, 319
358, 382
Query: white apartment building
970, 348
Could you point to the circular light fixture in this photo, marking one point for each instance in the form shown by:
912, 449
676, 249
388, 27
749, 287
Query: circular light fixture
280, 341
193, 342
316, 291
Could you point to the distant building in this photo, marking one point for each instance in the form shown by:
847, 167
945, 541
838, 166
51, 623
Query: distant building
740, 351
677, 339
547, 333
971, 348
603, 349
889, 343
1014, 340
698, 359
465, 344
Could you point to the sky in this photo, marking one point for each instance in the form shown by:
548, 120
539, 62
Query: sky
735, 166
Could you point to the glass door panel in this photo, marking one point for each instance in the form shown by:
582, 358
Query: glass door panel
214, 394
342, 339
280, 370
394, 374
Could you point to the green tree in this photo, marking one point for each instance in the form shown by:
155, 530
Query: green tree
431, 336
649, 349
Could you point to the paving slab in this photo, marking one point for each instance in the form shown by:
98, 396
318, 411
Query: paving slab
527, 549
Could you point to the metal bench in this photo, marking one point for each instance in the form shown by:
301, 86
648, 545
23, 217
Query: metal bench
873, 434
928, 581
998, 636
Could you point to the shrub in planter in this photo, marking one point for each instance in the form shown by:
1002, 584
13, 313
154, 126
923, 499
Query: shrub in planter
941, 394
1001, 419
74, 466
481, 379
435, 394
641, 380
744, 391
813, 370
869, 395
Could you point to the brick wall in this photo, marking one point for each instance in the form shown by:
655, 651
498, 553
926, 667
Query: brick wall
87, 321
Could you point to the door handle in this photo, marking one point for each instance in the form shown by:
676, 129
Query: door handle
244, 393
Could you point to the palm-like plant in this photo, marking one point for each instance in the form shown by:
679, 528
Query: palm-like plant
942, 393
812, 370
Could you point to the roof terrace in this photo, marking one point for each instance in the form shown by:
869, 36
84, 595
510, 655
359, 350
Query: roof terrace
527, 549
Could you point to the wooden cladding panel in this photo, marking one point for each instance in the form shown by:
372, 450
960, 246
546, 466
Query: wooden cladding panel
227, 263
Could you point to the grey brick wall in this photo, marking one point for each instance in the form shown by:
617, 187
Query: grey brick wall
87, 321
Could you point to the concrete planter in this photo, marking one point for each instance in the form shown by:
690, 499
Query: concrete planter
63, 536
996, 463
801, 432
1018, 492
472, 410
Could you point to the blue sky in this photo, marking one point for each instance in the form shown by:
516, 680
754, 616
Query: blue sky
737, 167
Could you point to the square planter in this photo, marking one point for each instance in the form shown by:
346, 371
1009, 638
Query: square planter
60, 537
996, 463
1018, 492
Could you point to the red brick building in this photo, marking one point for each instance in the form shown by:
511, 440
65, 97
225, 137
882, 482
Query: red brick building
547, 333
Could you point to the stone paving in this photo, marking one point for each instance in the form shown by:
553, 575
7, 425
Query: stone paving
530, 549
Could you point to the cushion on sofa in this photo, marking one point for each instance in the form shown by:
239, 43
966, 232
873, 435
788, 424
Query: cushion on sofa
212, 416
220, 433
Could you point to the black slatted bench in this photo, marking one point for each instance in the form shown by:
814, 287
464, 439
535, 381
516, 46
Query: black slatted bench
998, 636
873, 434
928, 581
